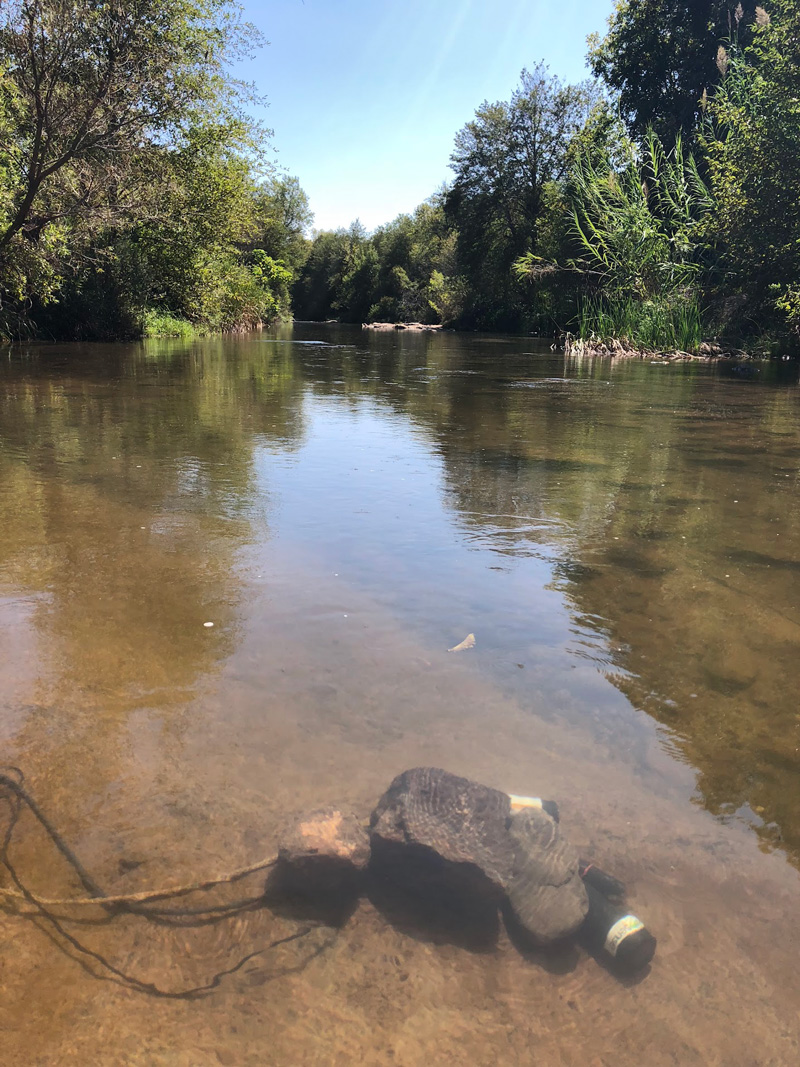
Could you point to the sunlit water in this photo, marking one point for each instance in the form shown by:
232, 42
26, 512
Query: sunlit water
623, 541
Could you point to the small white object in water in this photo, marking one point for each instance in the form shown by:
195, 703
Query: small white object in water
208, 624
468, 642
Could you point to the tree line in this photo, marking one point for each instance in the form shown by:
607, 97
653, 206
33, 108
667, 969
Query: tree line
658, 201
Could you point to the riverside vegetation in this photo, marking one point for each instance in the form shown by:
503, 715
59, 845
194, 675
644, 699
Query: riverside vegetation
655, 204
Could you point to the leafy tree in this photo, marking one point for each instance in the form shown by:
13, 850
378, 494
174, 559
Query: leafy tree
405, 270
284, 218
659, 57
752, 137
315, 292
504, 161
90, 84
99, 101
356, 291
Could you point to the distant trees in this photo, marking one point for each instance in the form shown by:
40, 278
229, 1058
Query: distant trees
134, 192
660, 213
451, 260
403, 271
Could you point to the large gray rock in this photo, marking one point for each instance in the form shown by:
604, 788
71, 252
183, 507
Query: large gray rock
434, 830
546, 893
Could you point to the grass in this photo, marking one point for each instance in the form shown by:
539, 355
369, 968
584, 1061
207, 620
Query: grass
660, 327
162, 324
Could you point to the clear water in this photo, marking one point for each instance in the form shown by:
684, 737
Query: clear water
623, 541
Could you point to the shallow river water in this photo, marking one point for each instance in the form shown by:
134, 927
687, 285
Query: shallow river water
624, 542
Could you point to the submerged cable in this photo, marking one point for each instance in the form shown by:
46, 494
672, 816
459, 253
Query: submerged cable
17, 796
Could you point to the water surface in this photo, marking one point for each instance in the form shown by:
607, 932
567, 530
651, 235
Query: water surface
622, 539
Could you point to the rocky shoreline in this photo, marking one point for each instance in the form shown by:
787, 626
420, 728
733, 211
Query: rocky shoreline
420, 327
708, 352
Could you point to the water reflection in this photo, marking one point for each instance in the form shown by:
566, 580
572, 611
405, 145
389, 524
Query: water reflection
653, 494
621, 539
127, 491
658, 505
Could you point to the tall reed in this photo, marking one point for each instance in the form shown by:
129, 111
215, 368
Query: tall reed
647, 324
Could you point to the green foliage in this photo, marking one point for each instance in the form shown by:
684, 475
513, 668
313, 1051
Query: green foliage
315, 290
660, 57
752, 140
93, 84
131, 184
506, 161
404, 271
647, 324
134, 196
284, 217
639, 227
162, 324
637, 248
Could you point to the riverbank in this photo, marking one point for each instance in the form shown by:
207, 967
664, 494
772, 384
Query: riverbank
708, 351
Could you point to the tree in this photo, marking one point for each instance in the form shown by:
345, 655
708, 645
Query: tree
315, 292
504, 160
284, 219
752, 137
88, 85
659, 56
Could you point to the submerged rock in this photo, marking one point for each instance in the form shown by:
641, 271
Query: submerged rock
322, 858
546, 893
433, 830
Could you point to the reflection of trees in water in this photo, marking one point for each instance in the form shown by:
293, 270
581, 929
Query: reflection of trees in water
629, 488
648, 492
127, 490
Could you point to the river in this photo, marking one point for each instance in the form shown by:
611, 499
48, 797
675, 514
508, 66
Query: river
230, 572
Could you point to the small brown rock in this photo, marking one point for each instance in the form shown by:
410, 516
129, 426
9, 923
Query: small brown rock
322, 857
326, 834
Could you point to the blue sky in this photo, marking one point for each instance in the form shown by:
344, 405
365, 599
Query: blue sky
365, 96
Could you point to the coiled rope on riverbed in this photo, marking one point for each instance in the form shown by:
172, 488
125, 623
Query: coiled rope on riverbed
99, 897
143, 903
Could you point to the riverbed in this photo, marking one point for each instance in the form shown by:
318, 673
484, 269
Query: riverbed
230, 572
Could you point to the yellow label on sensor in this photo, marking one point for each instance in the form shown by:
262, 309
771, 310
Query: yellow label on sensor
621, 929
518, 803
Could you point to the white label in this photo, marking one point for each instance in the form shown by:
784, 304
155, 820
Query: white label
621, 929
518, 803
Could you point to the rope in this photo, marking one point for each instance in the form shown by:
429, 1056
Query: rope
145, 895
17, 795
99, 897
